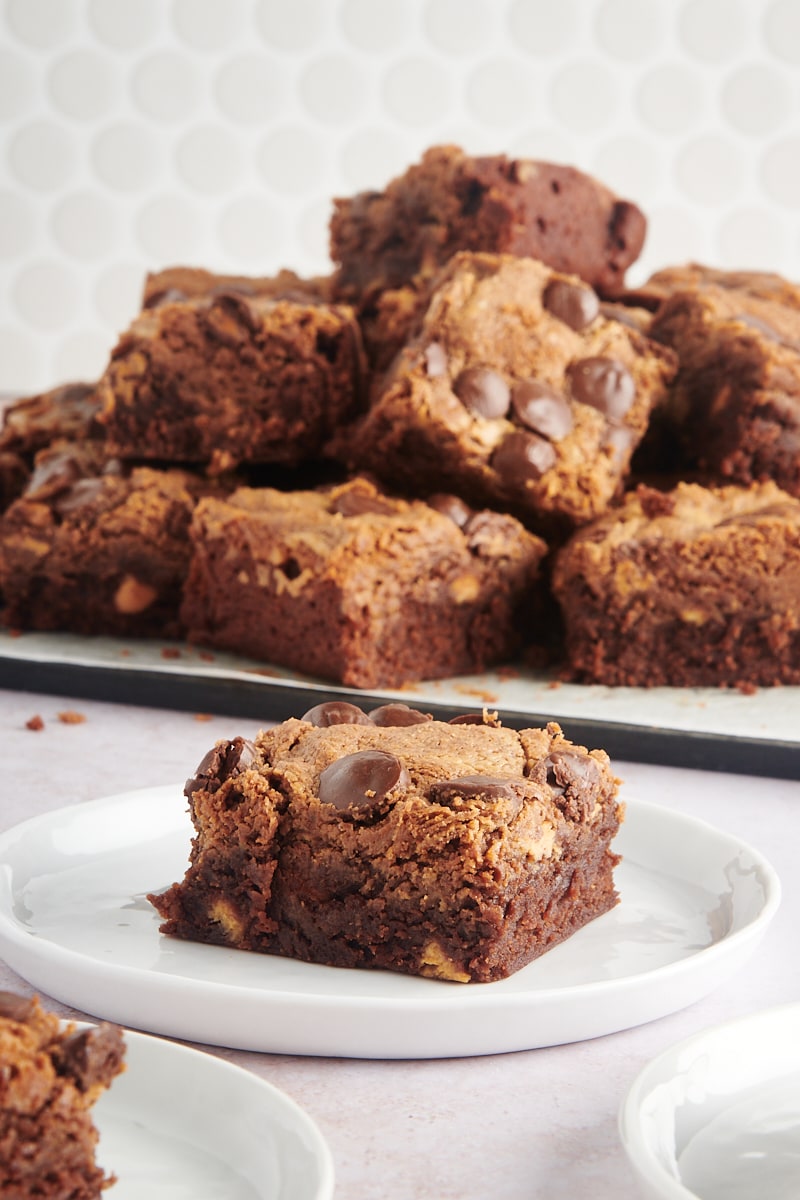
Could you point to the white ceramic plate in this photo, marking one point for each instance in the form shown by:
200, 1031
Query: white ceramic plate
182, 1125
718, 1116
75, 922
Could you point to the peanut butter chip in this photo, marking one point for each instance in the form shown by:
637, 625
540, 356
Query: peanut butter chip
133, 596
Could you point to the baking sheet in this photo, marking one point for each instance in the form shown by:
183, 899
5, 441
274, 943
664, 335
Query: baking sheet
711, 728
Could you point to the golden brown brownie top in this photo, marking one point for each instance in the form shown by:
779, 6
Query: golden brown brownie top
356, 770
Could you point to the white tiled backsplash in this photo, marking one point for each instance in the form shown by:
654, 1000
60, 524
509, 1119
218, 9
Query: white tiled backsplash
146, 133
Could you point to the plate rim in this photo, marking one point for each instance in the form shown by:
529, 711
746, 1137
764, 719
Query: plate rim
322, 1153
640, 1158
25, 944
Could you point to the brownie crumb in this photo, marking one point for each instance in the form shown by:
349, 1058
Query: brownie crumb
35, 723
170, 652
202, 716
70, 717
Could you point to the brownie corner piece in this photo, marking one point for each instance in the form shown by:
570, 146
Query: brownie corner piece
459, 851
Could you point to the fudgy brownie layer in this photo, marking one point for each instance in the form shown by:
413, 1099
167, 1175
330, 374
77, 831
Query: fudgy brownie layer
458, 851
696, 587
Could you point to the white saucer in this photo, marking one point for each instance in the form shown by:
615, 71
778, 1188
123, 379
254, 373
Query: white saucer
75, 922
717, 1117
179, 1124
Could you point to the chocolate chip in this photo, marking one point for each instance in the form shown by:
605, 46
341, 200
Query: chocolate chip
603, 383
574, 780
620, 442
452, 507
355, 503
230, 318
523, 458
541, 408
223, 761
361, 780
398, 714
54, 474
336, 712
167, 296
435, 360
84, 492
483, 392
573, 303
90, 1056
14, 1007
491, 788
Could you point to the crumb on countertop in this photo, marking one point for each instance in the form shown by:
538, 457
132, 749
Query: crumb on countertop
70, 717
35, 723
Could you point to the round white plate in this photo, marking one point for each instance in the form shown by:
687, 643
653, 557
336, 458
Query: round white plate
718, 1116
75, 922
182, 1125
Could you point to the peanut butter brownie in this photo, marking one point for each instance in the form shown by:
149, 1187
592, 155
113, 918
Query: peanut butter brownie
50, 1077
348, 583
735, 404
226, 378
451, 201
516, 392
694, 587
97, 550
459, 851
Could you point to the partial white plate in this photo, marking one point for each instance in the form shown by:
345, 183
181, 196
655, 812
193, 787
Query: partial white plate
718, 1116
75, 922
182, 1125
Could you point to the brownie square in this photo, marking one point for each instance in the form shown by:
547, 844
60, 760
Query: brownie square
451, 201
695, 587
225, 379
516, 392
455, 851
92, 550
735, 405
353, 585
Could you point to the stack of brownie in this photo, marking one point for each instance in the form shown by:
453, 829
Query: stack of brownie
468, 443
